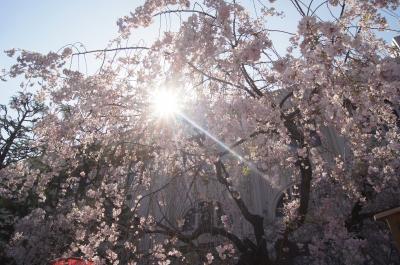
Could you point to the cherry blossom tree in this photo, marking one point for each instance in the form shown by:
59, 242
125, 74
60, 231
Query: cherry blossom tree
146, 159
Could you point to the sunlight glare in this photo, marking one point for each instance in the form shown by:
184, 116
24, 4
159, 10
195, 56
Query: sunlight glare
165, 103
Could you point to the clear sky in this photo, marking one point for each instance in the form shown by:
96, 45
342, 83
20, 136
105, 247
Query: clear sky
47, 25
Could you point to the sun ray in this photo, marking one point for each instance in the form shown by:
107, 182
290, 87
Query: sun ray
223, 145
166, 104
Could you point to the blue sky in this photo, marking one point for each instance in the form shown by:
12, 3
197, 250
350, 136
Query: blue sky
47, 25
44, 25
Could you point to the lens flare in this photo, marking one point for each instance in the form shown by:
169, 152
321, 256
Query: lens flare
165, 103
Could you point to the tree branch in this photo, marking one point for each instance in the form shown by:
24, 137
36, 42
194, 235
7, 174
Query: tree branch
255, 220
184, 11
112, 50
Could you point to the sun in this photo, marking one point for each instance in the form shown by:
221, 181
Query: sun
164, 103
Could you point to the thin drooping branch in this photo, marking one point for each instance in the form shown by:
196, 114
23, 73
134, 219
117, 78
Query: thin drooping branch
309, 7
222, 80
281, 31
112, 50
342, 9
184, 11
298, 7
